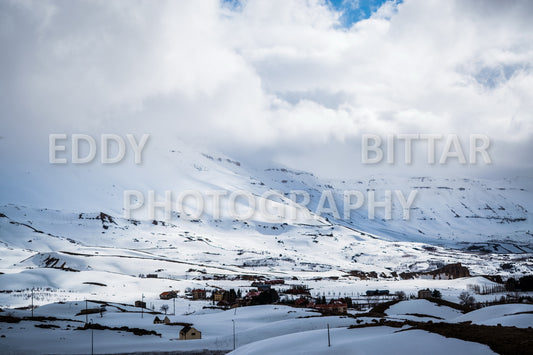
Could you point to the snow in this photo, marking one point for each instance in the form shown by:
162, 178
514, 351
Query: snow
421, 307
69, 255
448, 210
268, 329
508, 315
372, 340
251, 324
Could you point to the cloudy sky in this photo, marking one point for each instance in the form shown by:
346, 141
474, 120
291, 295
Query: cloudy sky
297, 82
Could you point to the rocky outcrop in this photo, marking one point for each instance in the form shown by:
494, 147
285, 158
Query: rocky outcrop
453, 271
450, 271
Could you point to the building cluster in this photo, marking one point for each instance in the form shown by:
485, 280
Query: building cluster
264, 293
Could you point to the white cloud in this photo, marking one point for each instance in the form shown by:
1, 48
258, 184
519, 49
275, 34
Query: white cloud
272, 75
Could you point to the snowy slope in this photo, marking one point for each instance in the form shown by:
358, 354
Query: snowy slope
252, 324
61, 226
446, 211
416, 309
375, 340
508, 315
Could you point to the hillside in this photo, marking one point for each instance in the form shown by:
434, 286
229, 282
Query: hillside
481, 224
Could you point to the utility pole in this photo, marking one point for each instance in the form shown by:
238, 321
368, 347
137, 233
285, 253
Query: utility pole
32, 302
92, 338
86, 312
174, 302
329, 340
233, 320
142, 308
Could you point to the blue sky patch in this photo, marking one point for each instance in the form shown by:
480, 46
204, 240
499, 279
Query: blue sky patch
356, 10
352, 10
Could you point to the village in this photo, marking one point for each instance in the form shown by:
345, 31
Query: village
298, 295
266, 292
216, 317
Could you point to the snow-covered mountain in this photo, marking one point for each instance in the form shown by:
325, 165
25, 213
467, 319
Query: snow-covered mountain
55, 220
445, 211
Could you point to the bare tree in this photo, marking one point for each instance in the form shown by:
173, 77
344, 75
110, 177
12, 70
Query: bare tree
467, 299
164, 308
400, 295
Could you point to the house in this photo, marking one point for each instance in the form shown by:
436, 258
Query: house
377, 292
168, 295
263, 287
304, 302
424, 293
151, 276
334, 308
198, 294
140, 304
268, 282
158, 320
188, 332
252, 293
298, 290
217, 295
